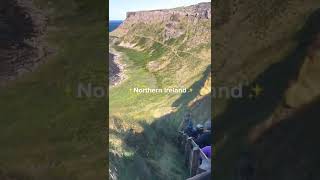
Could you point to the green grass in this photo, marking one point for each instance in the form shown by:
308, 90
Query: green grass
133, 108
122, 98
160, 50
159, 158
47, 132
137, 58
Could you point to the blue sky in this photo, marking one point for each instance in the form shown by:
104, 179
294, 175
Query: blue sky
118, 8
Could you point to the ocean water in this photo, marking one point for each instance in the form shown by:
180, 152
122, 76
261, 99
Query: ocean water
113, 24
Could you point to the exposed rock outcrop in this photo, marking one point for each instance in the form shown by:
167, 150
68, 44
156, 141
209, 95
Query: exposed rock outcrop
201, 10
171, 20
21, 29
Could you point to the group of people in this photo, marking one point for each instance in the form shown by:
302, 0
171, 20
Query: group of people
201, 134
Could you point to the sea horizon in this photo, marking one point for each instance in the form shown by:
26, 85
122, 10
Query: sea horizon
113, 24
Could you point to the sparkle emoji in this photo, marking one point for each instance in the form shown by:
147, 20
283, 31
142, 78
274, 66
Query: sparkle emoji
256, 91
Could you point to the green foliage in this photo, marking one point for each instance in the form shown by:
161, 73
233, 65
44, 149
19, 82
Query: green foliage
157, 50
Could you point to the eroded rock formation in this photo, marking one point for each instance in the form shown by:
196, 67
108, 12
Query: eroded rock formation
21, 46
169, 18
201, 10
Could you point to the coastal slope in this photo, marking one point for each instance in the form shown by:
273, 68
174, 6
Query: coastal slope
169, 48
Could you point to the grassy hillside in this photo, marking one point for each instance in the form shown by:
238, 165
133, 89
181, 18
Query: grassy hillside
143, 127
47, 132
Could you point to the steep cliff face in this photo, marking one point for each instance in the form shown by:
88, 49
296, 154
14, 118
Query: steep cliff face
21, 47
200, 11
272, 44
169, 24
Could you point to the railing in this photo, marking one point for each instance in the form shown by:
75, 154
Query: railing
198, 163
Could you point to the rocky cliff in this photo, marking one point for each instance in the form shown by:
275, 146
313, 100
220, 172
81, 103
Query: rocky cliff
201, 10
21, 30
171, 23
